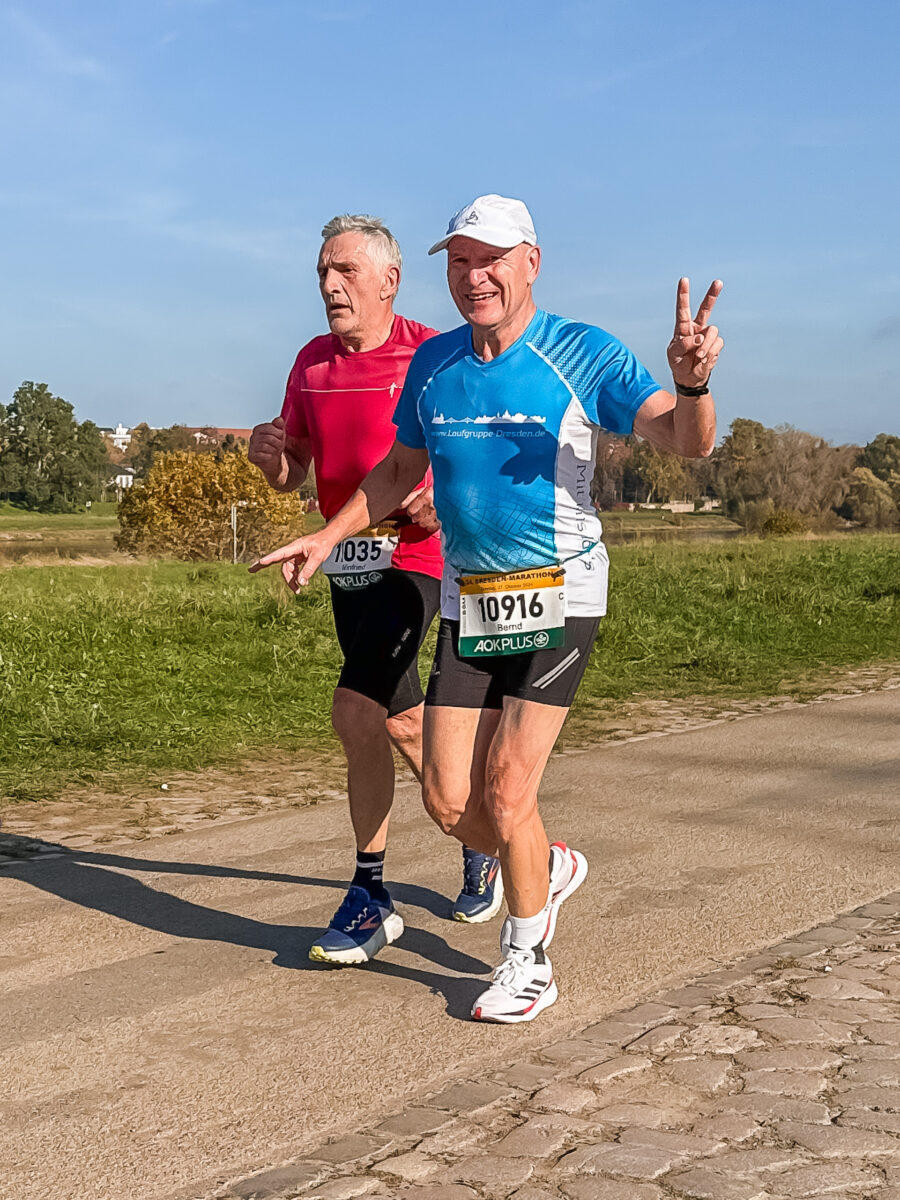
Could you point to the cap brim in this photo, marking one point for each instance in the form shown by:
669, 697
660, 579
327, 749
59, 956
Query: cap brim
489, 237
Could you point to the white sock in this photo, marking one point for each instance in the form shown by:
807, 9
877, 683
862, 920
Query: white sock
526, 932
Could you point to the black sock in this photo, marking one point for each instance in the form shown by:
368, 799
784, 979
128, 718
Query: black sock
369, 873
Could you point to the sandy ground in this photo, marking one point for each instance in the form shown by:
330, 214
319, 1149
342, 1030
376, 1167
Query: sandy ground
164, 1029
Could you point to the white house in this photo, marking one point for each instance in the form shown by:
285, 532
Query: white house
122, 480
121, 437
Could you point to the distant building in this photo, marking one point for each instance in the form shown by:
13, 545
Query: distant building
122, 480
121, 437
211, 435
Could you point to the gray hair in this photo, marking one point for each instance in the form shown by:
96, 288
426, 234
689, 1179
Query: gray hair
384, 247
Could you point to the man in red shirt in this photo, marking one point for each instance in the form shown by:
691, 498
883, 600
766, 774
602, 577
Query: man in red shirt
385, 581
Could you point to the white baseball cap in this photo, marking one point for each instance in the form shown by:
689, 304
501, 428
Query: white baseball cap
496, 220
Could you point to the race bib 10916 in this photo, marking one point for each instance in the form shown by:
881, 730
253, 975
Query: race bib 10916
512, 613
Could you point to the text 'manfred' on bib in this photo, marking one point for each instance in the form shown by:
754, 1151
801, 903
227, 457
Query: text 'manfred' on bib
512, 613
359, 560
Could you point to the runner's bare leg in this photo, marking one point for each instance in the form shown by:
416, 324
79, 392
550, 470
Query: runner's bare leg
405, 731
360, 724
481, 783
457, 741
519, 750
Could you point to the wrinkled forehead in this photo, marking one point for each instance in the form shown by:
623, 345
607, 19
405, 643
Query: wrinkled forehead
345, 248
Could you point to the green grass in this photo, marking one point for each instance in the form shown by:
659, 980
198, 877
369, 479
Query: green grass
99, 516
124, 674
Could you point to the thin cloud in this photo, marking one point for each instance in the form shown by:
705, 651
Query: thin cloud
643, 67
161, 214
51, 52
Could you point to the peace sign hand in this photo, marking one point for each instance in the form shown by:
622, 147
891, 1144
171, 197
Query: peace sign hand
695, 345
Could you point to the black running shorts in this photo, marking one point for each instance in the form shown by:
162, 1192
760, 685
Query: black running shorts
380, 629
545, 676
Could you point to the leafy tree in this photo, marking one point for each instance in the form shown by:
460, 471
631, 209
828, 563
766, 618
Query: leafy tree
881, 456
611, 456
758, 471
662, 475
229, 445
183, 508
737, 466
872, 501
146, 443
48, 460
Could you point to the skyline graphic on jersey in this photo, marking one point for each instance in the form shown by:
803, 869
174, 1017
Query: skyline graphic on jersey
504, 418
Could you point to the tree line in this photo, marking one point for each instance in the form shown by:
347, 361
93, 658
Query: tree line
51, 462
48, 460
775, 480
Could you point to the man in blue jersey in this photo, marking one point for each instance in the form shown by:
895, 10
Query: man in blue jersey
507, 409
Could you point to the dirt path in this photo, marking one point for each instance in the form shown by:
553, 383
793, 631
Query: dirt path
104, 818
164, 1030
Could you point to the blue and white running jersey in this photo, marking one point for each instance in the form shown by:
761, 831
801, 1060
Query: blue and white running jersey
512, 443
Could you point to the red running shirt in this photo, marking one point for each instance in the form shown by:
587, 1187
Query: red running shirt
343, 405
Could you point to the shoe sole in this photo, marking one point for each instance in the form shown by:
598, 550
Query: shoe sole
550, 996
489, 913
390, 930
575, 881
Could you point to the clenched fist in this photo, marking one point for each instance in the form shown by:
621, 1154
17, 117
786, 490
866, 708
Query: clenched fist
267, 443
419, 506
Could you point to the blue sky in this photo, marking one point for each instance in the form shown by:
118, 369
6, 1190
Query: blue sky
168, 165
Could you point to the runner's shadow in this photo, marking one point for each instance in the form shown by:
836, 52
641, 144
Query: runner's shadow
84, 878
405, 893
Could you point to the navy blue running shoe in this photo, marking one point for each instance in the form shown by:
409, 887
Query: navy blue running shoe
482, 892
358, 930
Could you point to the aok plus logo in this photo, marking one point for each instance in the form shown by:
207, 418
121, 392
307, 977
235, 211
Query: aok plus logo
353, 583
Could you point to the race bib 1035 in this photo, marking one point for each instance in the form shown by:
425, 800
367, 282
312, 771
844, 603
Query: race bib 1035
359, 560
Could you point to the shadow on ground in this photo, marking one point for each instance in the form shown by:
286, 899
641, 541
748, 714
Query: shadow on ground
97, 881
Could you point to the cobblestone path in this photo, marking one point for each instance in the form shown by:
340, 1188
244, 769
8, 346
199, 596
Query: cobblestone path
776, 1079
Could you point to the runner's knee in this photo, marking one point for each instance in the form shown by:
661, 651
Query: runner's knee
510, 797
445, 800
405, 728
356, 719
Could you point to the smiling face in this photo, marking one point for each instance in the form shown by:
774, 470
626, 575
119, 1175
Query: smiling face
491, 286
358, 288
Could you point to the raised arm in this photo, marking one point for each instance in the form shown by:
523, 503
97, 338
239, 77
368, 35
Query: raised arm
685, 422
387, 486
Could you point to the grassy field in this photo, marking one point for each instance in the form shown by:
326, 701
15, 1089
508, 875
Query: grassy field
104, 516
126, 673
99, 516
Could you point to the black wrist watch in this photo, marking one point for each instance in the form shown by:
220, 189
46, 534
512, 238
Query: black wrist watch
702, 390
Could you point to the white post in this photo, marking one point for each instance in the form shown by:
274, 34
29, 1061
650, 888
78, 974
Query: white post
234, 534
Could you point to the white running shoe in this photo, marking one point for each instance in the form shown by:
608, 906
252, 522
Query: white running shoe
568, 873
521, 988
